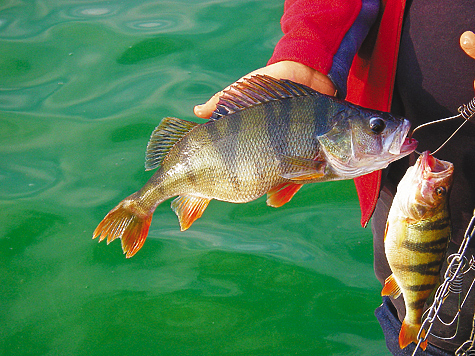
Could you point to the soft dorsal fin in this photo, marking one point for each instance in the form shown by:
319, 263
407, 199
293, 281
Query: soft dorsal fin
256, 90
164, 137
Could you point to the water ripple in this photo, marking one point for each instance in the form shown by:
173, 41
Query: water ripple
165, 23
19, 180
147, 17
93, 11
28, 99
306, 236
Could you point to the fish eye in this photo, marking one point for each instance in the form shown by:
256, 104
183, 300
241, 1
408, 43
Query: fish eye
440, 191
377, 125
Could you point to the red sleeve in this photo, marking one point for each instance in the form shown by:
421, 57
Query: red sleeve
313, 31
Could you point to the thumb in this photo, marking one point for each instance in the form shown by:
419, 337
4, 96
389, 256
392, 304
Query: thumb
467, 42
205, 110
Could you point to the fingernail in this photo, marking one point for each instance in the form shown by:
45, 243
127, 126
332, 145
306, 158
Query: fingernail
198, 109
467, 39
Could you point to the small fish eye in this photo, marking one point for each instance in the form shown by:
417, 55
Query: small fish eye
377, 125
440, 191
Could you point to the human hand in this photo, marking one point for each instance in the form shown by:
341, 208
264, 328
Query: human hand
294, 71
467, 42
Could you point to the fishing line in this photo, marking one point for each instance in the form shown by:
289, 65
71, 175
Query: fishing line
466, 111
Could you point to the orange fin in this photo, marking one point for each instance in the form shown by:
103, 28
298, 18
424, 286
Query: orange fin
299, 168
124, 223
188, 209
391, 287
409, 333
281, 194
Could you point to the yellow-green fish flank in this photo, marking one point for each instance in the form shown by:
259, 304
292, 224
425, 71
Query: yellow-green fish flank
417, 234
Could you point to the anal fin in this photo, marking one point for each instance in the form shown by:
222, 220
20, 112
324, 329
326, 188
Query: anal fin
391, 288
282, 193
189, 208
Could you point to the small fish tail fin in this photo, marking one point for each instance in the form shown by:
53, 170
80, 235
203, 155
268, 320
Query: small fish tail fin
126, 223
409, 333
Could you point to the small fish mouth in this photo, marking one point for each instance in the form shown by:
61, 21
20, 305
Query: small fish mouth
403, 145
433, 165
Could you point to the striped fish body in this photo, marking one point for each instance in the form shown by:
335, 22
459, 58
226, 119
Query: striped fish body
417, 235
242, 156
266, 136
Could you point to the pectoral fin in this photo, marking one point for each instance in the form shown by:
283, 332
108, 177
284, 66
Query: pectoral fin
281, 194
188, 209
298, 168
391, 288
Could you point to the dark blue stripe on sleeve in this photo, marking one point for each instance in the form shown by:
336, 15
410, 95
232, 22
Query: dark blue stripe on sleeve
350, 45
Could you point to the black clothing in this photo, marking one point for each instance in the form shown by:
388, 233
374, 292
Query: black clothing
434, 77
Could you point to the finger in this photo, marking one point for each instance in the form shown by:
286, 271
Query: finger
205, 110
467, 42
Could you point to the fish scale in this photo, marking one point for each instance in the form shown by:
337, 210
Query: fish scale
416, 239
265, 136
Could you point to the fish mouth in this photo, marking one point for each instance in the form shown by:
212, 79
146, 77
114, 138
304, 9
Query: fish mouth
408, 146
430, 174
403, 145
430, 164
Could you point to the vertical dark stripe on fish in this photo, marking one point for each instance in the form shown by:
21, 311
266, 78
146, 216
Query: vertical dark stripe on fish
324, 109
293, 132
300, 133
419, 287
430, 268
277, 128
418, 304
436, 246
431, 225
210, 134
192, 178
228, 154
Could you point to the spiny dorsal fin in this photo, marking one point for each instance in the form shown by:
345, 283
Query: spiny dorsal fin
256, 90
164, 137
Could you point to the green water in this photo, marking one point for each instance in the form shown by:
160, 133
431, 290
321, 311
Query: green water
82, 85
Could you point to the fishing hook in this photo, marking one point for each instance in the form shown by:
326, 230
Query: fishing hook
467, 111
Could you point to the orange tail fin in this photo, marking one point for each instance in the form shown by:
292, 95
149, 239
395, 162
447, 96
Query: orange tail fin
126, 224
409, 333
